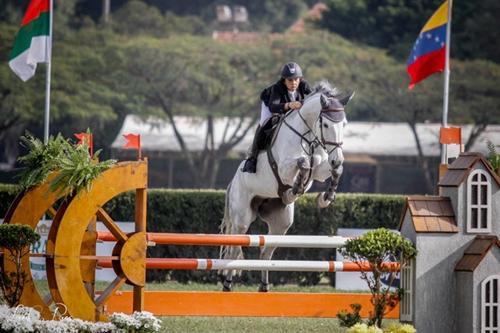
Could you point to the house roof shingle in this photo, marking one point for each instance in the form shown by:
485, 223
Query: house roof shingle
462, 166
431, 214
476, 251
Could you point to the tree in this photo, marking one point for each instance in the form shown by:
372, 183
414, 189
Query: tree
198, 77
475, 101
474, 91
395, 24
378, 247
137, 18
268, 15
81, 97
494, 156
15, 240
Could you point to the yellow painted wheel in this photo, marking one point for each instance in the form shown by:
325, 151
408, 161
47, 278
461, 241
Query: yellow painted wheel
64, 268
28, 208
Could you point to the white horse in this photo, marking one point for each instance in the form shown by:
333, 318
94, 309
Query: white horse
306, 146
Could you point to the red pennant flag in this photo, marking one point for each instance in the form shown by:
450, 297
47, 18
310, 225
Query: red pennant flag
85, 138
133, 142
450, 135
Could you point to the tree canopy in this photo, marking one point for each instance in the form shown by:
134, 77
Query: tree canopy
395, 24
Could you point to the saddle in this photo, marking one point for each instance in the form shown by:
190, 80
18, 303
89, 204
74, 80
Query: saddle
267, 131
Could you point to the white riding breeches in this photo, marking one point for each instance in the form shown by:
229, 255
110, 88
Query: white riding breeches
265, 114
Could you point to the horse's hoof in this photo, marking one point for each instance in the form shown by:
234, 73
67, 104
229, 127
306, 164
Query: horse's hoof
321, 202
227, 285
263, 288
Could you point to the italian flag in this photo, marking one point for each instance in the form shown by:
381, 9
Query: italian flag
33, 42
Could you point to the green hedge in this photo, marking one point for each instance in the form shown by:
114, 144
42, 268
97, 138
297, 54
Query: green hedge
7, 194
202, 211
192, 211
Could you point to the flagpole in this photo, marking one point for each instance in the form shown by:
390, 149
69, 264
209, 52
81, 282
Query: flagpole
47, 77
446, 80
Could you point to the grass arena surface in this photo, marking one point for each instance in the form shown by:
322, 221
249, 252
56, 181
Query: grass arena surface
194, 324
42, 287
249, 324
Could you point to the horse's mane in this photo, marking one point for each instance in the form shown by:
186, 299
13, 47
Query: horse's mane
326, 89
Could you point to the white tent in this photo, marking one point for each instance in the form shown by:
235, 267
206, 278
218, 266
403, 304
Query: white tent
372, 138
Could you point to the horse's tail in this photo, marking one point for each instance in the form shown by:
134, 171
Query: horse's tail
226, 223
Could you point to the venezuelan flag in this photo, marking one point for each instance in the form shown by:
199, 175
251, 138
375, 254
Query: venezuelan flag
429, 51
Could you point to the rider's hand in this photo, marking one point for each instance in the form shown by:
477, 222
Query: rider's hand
294, 105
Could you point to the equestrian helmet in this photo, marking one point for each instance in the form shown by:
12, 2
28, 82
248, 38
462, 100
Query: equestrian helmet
291, 70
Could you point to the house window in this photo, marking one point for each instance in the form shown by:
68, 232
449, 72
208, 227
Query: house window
479, 202
490, 305
406, 304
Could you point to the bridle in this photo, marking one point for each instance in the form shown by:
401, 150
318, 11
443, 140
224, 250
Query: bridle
326, 142
310, 144
317, 141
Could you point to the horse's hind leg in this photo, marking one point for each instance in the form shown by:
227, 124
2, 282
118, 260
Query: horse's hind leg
240, 222
279, 218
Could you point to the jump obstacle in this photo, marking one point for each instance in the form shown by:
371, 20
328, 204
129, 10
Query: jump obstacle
71, 260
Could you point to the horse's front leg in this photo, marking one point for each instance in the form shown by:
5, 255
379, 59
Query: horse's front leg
297, 189
326, 198
266, 253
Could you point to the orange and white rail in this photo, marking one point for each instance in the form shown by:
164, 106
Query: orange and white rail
258, 265
294, 241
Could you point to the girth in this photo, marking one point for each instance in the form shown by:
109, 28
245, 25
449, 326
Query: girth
282, 188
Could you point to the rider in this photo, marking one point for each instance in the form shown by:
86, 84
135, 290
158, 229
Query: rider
286, 94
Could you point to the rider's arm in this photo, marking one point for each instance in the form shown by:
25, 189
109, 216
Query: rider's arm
275, 103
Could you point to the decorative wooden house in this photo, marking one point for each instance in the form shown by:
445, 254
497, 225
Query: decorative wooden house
453, 285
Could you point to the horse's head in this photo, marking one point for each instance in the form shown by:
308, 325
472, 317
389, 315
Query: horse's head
325, 109
331, 123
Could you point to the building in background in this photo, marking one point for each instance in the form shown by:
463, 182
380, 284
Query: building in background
453, 285
380, 157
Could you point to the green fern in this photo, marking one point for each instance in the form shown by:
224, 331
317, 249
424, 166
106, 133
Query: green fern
77, 170
493, 156
41, 159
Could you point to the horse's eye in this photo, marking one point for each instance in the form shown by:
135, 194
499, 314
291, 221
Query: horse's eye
325, 125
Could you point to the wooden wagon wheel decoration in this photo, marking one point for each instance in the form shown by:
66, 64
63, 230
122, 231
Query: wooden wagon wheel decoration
28, 208
66, 237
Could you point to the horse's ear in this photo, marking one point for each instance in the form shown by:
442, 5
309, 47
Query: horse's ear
347, 98
324, 102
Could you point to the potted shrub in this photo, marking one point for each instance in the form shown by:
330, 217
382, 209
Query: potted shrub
377, 247
15, 242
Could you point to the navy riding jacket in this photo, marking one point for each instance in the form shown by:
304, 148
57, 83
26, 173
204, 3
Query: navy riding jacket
276, 96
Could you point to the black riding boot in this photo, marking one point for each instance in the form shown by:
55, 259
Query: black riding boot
251, 162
